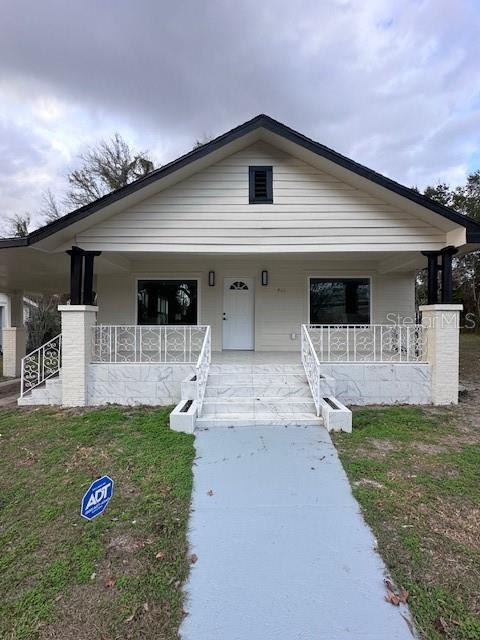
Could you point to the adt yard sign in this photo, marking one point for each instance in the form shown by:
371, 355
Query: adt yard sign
97, 497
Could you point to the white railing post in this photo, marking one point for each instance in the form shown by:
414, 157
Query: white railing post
202, 368
40, 364
311, 365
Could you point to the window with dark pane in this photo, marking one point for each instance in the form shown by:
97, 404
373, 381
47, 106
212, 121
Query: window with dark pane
339, 301
260, 183
167, 301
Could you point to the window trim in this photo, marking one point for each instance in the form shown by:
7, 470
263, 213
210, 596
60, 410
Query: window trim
169, 277
251, 184
337, 276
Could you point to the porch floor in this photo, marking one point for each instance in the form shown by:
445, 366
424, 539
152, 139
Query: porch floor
235, 356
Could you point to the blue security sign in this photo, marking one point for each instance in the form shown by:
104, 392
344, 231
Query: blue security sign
97, 497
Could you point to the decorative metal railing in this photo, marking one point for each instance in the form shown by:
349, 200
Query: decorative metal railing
41, 364
368, 343
203, 365
311, 365
132, 344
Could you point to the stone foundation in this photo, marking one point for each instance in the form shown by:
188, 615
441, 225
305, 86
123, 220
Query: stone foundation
135, 384
363, 384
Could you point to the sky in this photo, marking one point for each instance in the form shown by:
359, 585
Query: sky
393, 84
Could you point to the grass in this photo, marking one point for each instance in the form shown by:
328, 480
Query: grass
118, 576
416, 475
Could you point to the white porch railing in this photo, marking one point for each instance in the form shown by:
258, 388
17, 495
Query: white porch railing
311, 365
203, 365
368, 343
41, 364
138, 344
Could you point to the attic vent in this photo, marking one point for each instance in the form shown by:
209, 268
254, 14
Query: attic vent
260, 185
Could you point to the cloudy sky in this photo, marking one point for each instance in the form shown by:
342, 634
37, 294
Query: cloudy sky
393, 84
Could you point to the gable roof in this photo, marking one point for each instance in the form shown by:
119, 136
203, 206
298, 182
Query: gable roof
261, 121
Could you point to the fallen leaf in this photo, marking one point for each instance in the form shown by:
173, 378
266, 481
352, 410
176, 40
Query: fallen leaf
392, 598
130, 618
193, 558
441, 625
160, 555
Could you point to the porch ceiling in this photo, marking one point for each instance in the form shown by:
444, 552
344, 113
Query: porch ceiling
28, 269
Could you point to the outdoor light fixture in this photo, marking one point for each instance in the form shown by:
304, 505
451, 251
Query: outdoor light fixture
264, 278
211, 278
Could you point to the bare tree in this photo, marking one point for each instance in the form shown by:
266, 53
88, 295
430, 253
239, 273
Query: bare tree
107, 166
50, 209
18, 225
43, 322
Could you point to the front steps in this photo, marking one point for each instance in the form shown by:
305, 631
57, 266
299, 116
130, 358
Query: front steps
48, 394
257, 395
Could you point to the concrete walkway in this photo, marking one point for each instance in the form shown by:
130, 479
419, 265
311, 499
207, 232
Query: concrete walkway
283, 552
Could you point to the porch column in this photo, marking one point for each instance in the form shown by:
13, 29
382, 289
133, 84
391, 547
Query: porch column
14, 337
77, 323
447, 281
442, 326
432, 276
81, 273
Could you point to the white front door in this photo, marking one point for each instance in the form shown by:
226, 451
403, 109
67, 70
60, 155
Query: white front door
238, 313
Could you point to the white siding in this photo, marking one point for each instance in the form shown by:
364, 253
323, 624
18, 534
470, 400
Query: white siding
280, 308
312, 211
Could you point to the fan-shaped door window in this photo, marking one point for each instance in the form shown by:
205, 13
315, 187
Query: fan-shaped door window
238, 285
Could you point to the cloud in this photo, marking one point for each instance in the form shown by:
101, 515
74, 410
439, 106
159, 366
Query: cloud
391, 84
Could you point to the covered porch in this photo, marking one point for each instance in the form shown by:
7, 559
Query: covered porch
134, 319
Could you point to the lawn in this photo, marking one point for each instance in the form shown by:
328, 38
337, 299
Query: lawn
118, 576
416, 475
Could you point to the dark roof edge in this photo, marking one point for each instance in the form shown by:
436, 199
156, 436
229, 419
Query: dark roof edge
373, 176
268, 123
8, 243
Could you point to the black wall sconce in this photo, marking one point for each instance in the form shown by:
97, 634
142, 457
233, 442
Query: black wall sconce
264, 278
211, 278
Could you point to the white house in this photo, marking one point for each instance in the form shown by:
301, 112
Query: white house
273, 270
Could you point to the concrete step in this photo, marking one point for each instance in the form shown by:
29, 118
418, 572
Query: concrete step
297, 390
244, 405
49, 393
258, 420
255, 379
256, 368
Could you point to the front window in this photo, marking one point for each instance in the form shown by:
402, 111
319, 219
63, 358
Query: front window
167, 301
339, 301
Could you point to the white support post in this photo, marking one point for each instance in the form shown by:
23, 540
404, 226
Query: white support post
77, 323
14, 337
442, 325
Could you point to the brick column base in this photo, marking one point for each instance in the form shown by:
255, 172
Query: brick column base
77, 323
14, 345
442, 323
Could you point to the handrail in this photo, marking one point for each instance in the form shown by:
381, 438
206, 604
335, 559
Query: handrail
384, 343
202, 368
142, 344
311, 364
41, 364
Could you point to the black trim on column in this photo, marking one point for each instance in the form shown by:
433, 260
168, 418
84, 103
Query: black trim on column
76, 264
432, 277
88, 296
447, 280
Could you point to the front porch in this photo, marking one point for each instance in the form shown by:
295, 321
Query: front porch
124, 351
